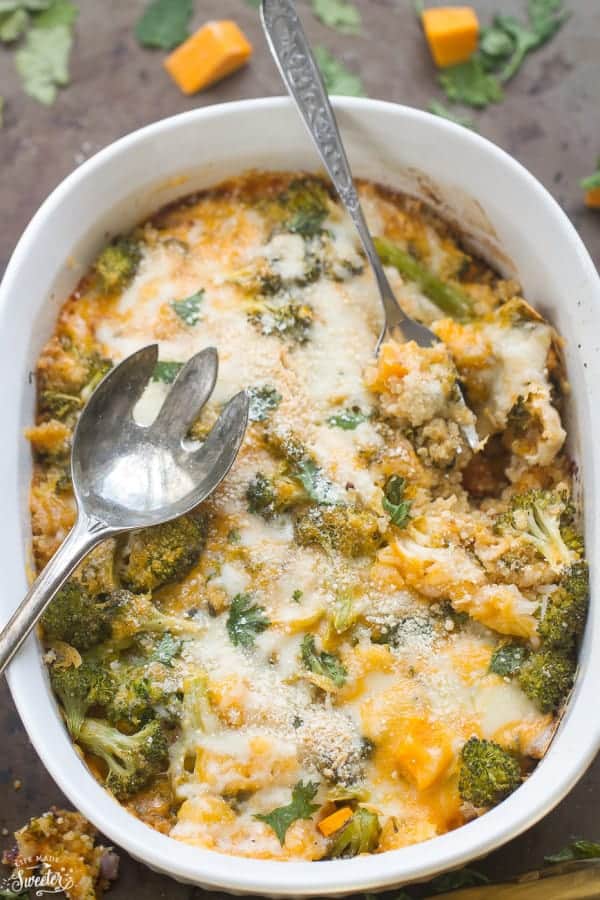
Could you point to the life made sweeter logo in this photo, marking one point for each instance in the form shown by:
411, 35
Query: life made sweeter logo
34, 876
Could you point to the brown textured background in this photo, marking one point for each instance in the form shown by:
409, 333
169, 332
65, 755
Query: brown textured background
550, 120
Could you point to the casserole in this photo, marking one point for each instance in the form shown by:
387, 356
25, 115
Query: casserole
472, 183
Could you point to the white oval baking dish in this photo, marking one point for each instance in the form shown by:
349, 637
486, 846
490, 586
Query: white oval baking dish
518, 225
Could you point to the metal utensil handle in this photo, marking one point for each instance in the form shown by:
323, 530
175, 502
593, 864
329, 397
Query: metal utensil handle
299, 70
84, 535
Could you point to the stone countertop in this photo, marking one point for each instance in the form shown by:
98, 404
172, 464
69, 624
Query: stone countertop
548, 121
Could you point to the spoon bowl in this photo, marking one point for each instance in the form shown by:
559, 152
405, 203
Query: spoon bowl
131, 476
128, 476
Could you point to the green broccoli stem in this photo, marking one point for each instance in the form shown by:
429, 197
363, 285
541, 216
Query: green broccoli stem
449, 299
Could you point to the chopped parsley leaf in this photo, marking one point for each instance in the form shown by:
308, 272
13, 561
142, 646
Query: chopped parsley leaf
325, 664
188, 309
348, 419
166, 371
394, 503
300, 807
245, 620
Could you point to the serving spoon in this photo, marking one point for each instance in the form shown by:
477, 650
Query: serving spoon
298, 68
127, 476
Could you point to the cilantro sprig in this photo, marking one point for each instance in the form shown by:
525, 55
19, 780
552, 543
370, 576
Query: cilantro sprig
503, 48
188, 309
164, 23
507, 659
166, 371
591, 182
337, 77
42, 60
245, 621
348, 419
328, 665
394, 503
300, 807
338, 14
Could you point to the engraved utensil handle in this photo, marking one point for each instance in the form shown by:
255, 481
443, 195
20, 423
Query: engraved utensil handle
84, 535
292, 53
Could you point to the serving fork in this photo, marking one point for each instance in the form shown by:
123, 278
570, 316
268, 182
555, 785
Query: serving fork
298, 68
126, 476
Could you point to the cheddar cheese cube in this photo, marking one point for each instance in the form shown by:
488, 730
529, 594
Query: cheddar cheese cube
452, 33
214, 51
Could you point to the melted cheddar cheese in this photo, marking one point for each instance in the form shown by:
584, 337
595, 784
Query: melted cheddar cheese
354, 585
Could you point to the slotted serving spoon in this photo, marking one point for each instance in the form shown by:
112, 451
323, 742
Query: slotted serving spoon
292, 53
127, 476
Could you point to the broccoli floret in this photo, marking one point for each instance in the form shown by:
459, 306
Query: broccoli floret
289, 320
84, 621
488, 773
117, 264
132, 759
359, 835
96, 574
564, 618
351, 530
546, 678
536, 517
78, 689
133, 614
59, 405
275, 495
78, 618
156, 556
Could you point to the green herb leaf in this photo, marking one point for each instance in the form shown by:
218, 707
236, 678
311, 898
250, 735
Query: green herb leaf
13, 25
316, 485
495, 44
592, 181
43, 62
166, 650
300, 807
164, 23
338, 14
337, 77
166, 371
326, 664
452, 881
297, 595
509, 41
438, 109
188, 309
470, 84
393, 502
348, 419
576, 850
245, 620
507, 659
61, 12
30, 5
263, 400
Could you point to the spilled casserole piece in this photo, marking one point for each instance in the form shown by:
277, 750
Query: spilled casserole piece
366, 637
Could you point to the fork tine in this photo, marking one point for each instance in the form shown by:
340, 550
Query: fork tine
190, 391
224, 439
123, 386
